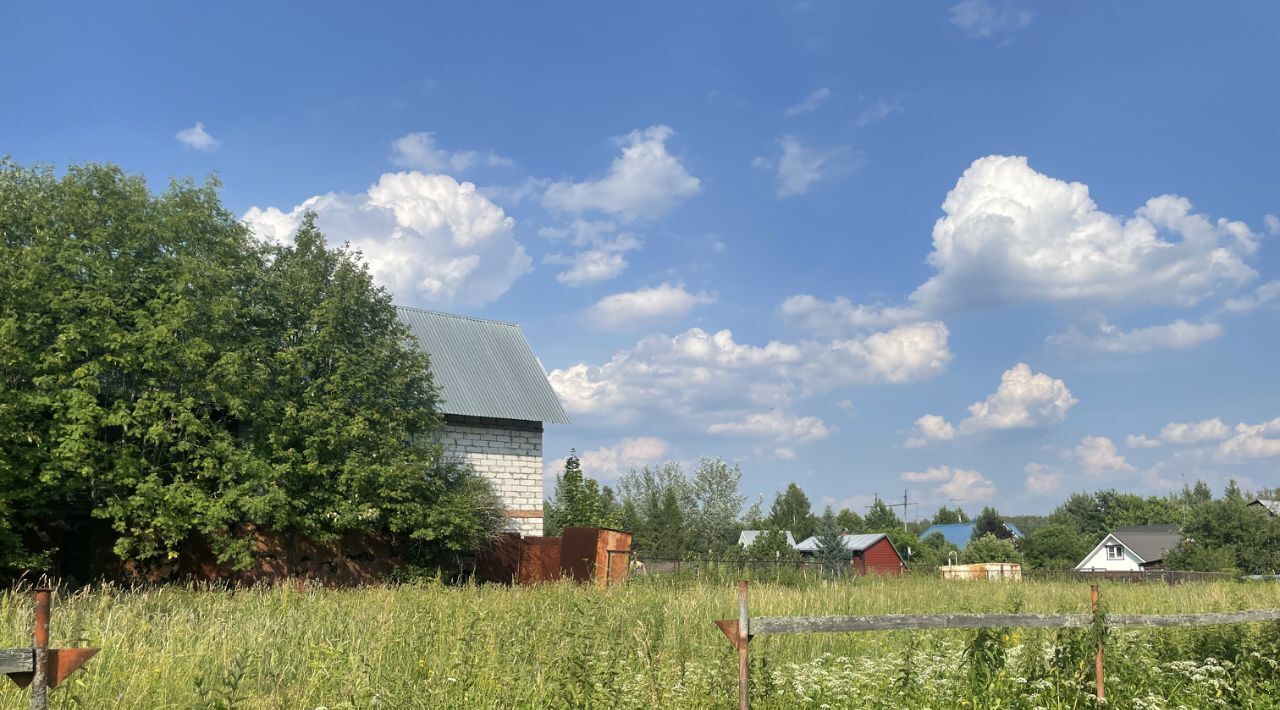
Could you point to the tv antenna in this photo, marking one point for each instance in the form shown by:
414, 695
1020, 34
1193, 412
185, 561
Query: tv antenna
906, 501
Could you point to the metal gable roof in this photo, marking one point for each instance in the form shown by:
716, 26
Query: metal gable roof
1148, 542
853, 543
958, 534
484, 368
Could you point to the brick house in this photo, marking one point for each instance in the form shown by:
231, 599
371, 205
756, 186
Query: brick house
495, 400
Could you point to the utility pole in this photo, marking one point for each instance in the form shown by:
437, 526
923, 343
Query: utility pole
905, 502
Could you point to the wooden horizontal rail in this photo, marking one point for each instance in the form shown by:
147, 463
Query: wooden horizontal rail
1210, 619
17, 660
764, 625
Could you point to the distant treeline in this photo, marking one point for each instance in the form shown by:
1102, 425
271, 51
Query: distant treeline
676, 513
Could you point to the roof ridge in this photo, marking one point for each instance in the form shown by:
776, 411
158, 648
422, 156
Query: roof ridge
457, 315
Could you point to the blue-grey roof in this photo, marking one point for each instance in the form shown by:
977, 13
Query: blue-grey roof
853, 543
746, 537
959, 534
1272, 506
484, 368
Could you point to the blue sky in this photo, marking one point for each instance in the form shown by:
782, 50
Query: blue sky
990, 252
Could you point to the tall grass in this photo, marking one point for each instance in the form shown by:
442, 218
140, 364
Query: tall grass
649, 644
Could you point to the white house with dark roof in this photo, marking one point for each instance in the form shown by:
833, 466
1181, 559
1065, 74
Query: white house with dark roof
1132, 549
495, 400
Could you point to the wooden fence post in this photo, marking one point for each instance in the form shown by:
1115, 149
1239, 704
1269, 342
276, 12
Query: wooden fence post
1097, 663
40, 636
744, 639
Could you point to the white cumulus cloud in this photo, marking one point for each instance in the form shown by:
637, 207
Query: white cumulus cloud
699, 379
1012, 235
776, 426
608, 462
1252, 441
1023, 400
1098, 455
956, 484
1101, 336
1041, 478
419, 151
646, 307
428, 238
198, 138
1141, 441
604, 259
646, 181
1195, 432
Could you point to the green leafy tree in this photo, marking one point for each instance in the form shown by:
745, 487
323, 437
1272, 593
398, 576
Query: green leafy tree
1055, 546
717, 504
753, 519
932, 552
880, 518
1228, 534
791, 511
654, 499
170, 377
990, 548
850, 521
989, 522
578, 501
770, 545
946, 516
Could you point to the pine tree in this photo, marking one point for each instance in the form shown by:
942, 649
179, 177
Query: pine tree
831, 548
989, 522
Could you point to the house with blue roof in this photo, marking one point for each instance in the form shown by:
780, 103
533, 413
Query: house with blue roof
959, 534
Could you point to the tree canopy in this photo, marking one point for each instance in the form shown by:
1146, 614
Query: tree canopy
791, 511
168, 374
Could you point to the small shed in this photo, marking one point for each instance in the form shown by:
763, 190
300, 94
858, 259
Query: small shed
746, 537
869, 554
1271, 506
1132, 548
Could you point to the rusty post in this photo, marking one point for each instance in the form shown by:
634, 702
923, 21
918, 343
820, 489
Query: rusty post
40, 679
744, 638
1097, 663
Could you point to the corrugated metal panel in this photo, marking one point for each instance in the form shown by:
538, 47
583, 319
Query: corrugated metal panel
484, 368
1149, 542
858, 543
747, 537
958, 534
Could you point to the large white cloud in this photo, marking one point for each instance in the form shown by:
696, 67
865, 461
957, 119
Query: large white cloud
644, 182
428, 238
1023, 400
1195, 432
700, 379
646, 307
1010, 234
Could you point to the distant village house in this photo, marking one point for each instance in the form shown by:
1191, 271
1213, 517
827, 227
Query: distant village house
1132, 549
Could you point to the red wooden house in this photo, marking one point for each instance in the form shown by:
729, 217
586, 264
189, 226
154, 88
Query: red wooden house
874, 554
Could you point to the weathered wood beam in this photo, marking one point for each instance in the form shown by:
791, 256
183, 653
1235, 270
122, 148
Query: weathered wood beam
893, 622
17, 660
1210, 619
896, 622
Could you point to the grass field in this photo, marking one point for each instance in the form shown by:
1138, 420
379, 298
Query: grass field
649, 644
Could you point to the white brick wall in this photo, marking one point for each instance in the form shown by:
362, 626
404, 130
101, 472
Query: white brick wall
512, 461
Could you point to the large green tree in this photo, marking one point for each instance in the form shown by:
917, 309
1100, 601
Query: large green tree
880, 518
717, 504
791, 511
578, 501
168, 374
